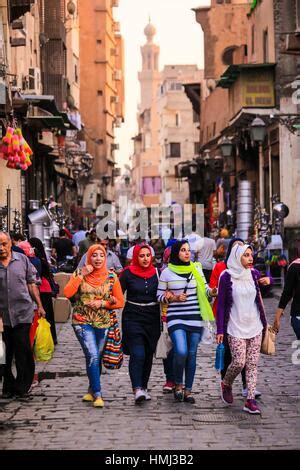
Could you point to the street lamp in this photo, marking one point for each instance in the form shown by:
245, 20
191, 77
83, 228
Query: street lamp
258, 132
226, 147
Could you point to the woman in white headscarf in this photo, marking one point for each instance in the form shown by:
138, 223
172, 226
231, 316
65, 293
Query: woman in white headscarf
241, 318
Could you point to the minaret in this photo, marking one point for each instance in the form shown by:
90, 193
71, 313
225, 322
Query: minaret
149, 77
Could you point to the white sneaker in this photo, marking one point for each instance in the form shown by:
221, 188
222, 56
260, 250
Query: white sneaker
245, 393
147, 394
139, 395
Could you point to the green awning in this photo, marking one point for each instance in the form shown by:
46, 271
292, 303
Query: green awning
46, 122
230, 75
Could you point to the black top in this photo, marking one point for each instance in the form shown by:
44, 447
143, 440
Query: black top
140, 290
292, 290
63, 247
140, 324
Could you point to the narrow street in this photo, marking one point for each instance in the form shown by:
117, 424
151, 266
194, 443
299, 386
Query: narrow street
56, 418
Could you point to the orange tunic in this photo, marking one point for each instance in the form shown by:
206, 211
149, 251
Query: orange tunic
82, 313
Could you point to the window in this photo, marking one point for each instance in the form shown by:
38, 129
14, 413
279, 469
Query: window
177, 120
99, 41
252, 39
76, 74
151, 185
149, 61
99, 92
297, 15
173, 150
175, 86
227, 56
266, 46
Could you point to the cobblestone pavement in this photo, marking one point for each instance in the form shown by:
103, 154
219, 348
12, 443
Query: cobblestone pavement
56, 418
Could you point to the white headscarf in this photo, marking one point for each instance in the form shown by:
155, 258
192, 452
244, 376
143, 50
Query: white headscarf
234, 264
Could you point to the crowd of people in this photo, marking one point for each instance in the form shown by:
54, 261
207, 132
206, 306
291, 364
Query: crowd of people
184, 283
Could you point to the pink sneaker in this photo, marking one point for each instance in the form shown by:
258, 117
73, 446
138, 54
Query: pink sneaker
226, 393
168, 387
251, 407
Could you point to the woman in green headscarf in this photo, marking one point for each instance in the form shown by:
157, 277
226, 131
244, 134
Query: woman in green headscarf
183, 286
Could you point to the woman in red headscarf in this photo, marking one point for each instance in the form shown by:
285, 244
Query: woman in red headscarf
98, 293
141, 319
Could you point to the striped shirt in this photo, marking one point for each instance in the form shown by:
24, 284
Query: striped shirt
181, 315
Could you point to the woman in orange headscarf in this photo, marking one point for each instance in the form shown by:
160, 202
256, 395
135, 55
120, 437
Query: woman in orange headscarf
98, 293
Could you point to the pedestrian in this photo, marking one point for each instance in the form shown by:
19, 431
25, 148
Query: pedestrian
79, 235
85, 244
183, 287
169, 385
219, 268
291, 291
98, 294
17, 290
140, 319
205, 251
46, 289
63, 247
16, 238
241, 321
112, 260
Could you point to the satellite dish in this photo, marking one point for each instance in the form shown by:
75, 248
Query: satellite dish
281, 210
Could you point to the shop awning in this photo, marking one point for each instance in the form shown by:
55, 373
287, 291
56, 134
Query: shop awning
46, 122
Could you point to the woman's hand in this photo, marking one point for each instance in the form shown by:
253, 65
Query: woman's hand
112, 300
168, 295
95, 304
86, 270
214, 292
264, 281
181, 298
276, 324
219, 339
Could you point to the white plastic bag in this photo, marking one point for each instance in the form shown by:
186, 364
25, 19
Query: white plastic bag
2, 350
164, 344
208, 335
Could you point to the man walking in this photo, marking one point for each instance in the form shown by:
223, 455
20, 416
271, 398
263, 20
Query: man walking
17, 289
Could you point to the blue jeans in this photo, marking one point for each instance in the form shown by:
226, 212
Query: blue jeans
185, 351
295, 322
92, 340
140, 363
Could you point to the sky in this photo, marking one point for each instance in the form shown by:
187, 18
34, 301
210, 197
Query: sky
180, 39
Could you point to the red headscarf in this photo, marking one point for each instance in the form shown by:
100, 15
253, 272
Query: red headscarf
98, 276
135, 267
27, 248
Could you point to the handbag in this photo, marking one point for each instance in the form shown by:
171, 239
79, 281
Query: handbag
112, 356
43, 345
164, 344
268, 341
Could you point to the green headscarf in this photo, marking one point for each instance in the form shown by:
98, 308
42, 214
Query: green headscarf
205, 308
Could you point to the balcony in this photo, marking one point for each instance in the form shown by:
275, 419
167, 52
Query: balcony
250, 86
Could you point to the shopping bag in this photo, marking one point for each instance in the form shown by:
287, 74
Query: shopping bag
268, 341
33, 328
164, 344
43, 345
208, 333
219, 359
112, 356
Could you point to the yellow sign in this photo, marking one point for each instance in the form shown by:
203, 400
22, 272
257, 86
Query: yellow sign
258, 89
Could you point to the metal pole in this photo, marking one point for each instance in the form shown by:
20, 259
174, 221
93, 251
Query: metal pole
270, 185
261, 176
8, 202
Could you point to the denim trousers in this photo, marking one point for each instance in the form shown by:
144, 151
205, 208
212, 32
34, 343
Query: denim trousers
140, 363
295, 322
92, 340
185, 344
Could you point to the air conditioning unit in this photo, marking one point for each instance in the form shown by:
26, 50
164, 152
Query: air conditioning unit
118, 75
118, 122
117, 27
114, 99
115, 3
34, 81
115, 146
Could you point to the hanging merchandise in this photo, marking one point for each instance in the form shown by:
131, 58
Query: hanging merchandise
15, 150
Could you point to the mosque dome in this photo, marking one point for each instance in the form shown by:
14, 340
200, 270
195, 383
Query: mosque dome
150, 31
